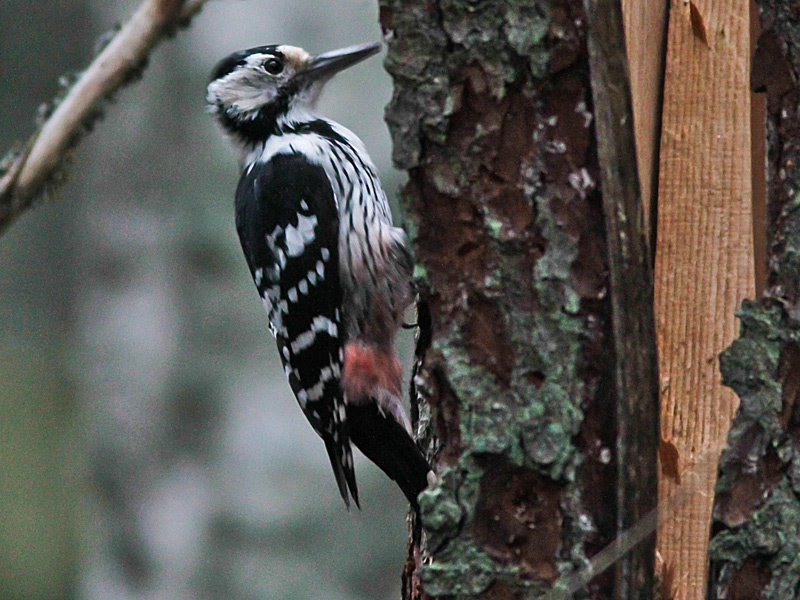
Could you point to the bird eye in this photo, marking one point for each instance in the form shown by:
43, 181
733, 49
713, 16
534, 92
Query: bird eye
273, 66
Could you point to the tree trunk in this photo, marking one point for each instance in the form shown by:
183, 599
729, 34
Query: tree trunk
493, 117
756, 532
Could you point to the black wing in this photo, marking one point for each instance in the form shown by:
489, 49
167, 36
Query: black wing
288, 225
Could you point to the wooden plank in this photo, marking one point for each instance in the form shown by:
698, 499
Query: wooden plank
645, 37
704, 263
758, 119
631, 278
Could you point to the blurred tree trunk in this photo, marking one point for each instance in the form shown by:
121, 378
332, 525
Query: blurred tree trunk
40, 493
540, 461
755, 548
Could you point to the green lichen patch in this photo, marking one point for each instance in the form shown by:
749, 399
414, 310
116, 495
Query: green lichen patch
500, 161
462, 571
772, 536
756, 504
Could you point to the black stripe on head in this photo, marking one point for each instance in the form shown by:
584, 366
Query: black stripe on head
264, 123
237, 59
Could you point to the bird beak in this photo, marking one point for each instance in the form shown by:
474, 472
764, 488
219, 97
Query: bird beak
324, 66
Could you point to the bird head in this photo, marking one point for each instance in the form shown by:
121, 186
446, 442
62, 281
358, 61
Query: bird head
254, 88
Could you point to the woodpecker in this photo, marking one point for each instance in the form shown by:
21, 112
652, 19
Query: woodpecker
331, 269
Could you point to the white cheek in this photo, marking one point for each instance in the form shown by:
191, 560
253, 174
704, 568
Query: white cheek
252, 99
244, 91
214, 91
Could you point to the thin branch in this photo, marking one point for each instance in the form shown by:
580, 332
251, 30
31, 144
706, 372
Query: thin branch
117, 65
570, 584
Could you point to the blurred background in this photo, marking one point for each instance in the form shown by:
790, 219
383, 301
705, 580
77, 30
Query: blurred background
149, 445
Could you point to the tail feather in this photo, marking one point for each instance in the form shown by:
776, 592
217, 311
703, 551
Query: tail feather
386, 443
341, 458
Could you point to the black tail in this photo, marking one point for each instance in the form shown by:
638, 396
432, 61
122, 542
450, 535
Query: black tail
341, 459
386, 443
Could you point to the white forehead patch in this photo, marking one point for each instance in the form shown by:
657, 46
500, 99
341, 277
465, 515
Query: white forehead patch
297, 57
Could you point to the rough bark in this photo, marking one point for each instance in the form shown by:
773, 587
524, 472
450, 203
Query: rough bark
492, 117
755, 549
631, 281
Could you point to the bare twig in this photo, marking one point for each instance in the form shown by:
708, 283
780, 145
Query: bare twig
114, 67
571, 583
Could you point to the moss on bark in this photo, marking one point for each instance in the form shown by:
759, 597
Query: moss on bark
492, 118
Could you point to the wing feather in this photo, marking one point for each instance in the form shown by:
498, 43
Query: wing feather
288, 226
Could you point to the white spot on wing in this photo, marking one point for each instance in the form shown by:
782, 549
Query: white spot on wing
319, 324
271, 237
303, 341
273, 273
298, 237
326, 374
315, 393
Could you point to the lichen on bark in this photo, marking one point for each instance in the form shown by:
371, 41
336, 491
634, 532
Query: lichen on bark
756, 532
491, 116
756, 550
